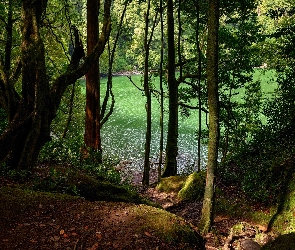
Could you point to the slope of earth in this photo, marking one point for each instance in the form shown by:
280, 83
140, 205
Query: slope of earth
36, 220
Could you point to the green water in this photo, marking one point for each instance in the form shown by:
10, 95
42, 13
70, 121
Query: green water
123, 136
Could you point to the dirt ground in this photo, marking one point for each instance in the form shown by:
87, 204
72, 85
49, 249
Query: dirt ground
79, 224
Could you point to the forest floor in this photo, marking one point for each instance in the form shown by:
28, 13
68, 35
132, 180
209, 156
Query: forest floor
78, 224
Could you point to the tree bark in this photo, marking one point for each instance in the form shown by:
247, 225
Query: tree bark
212, 82
161, 94
92, 138
147, 92
170, 168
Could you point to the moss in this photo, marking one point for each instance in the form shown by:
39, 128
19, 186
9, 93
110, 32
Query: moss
171, 184
193, 188
285, 242
98, 190
283, 220
169, 227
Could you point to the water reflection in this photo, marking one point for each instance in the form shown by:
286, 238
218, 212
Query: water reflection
128, 144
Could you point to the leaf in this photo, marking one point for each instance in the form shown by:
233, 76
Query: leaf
94, 247
147, 234
61, 232
65, 236
98, 235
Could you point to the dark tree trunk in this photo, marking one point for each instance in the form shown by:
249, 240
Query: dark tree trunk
172, 136
212, 82
199, 86
28, 130
161, 94
147, 92
92, 138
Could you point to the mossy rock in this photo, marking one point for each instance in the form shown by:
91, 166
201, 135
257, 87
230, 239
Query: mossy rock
99, 190
170, 227
283, 242
193, 188
171, 184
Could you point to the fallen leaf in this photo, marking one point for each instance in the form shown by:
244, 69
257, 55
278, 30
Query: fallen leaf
61, 232
94, 247
65, 236
148, 234
74, 234
98, 235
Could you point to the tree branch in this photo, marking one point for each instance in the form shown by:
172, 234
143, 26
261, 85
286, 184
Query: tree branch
76, 70
192, 107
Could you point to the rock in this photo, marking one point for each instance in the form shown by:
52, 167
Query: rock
250, 245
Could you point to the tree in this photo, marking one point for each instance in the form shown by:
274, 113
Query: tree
92, 138
29, 127
172, 134
147, 92
212, 83
161, 94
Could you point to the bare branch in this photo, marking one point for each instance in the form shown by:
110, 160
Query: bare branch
192, 107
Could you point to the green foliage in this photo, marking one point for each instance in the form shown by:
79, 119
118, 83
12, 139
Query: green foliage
194, 187
66, 141
19, 175
56, 182
106, 172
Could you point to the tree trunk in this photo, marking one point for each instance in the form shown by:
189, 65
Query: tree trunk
212, 82
172, 135
22, 145
147, 92
92, 138
199, 86
161, 94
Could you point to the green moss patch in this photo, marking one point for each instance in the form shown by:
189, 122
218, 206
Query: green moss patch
171, 184
167, 226
193, 188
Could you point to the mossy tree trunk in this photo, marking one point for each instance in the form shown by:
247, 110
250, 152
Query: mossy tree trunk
170, 168
28, 128
212, 82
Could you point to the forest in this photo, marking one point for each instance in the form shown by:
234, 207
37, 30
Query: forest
143, 124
